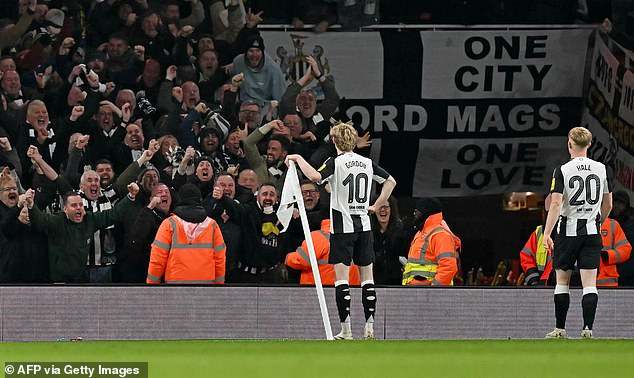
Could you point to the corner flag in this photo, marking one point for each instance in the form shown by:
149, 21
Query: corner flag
291, 194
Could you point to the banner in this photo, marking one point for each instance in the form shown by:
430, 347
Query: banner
355, 60
482, 166
423, 95
503, 64
609, 110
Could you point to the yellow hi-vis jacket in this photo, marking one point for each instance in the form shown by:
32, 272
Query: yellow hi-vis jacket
536, 260
187, 253
433, 254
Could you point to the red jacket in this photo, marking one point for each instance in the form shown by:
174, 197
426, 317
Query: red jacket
299, 259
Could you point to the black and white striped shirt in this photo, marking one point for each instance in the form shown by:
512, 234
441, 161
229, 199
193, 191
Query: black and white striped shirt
350, 176
582, 182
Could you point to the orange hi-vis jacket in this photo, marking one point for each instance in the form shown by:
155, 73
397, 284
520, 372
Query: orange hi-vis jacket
536, 261
299, 259
187, 253
618, 250
432, 254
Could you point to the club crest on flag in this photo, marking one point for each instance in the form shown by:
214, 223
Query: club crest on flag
295, 66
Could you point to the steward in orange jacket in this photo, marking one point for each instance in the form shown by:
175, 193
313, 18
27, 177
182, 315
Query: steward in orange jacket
188, 248
536, 261
432, 257
616, 250
299, 259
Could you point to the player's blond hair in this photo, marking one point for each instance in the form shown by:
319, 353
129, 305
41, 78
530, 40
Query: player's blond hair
580, 136
345, 136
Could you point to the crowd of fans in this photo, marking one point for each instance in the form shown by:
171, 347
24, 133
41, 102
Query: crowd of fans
98, 96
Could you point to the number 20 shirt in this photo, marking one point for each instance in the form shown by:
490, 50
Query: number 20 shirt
350, 176
582, 181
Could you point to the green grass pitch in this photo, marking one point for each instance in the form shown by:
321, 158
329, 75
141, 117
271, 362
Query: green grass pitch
385, 359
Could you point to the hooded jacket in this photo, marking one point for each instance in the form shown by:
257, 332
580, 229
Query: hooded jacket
188, 248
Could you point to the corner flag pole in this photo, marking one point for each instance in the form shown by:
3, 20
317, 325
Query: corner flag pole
311, 253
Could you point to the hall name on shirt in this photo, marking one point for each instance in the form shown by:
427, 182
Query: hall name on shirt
584, 167
355, 163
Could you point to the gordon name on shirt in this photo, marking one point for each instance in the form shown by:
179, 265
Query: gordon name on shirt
355, 163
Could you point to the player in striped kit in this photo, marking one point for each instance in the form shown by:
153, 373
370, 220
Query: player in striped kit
581, 200
350, 177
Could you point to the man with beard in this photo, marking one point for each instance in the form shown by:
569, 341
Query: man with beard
264, 247
69, 232
269, 167
103, 167
23, 251
135, 258
264, 80
189, 247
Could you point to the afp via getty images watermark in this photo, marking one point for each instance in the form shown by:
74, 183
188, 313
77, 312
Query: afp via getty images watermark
76, 369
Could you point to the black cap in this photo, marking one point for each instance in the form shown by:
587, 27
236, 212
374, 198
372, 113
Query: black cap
190, 194
203, 158
255, 41
428, 205
211, 130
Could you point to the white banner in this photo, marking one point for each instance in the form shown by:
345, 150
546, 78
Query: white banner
604, 70
466, 167
609, 111
503, 64
354, 59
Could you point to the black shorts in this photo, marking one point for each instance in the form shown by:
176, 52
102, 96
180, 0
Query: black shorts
584, 250
354, 246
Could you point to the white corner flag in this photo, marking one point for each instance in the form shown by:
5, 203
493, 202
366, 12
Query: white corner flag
291, 194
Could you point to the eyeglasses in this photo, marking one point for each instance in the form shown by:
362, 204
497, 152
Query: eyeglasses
250, 112
309, 192
9, 189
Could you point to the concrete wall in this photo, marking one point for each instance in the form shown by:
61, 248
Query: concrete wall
29, 313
